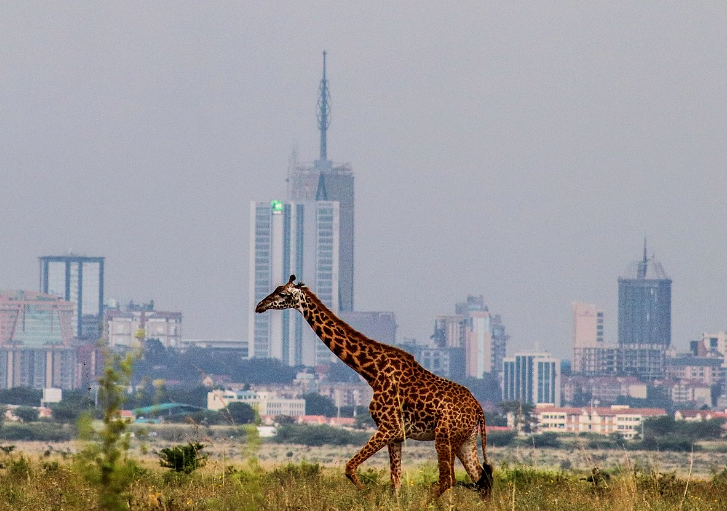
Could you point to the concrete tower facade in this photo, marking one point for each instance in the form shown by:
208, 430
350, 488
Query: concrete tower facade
644, 319
326, 181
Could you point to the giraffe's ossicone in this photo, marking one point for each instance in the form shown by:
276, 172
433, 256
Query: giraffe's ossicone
408, 401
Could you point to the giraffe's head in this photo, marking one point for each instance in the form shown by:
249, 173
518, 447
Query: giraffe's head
287, 296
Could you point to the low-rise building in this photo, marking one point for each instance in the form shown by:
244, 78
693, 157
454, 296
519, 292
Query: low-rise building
600, 420
122, 325
265, 403
603, 390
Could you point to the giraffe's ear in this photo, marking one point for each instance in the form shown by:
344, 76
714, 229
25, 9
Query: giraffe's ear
292, 279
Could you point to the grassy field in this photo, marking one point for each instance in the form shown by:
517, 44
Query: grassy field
284, 477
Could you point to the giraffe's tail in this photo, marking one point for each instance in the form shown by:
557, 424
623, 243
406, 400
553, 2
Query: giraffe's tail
484, 485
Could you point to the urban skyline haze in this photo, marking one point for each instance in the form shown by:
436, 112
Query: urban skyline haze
518, 151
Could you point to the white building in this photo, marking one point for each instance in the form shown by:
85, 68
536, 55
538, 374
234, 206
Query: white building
600, 420
122, 326
531, 378
286, 238
265, 403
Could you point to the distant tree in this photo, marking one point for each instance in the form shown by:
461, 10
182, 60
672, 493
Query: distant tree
183, 458
284, 419
26, 413
659, 426
196, 396
67, 412
154, 352
201, 417
340, 372
364, 421
315, 404
495, 419
240, 413
21, 396
522, 413
483, 389
3, 409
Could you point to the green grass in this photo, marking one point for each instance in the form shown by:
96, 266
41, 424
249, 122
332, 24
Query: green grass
39, 483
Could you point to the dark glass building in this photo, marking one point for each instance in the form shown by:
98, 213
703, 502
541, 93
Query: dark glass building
644, 319
80, 280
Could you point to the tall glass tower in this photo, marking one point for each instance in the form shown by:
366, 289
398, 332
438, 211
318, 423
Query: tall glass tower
644, 319
300, 238
80, 280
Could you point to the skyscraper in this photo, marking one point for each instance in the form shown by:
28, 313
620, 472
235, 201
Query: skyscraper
80, 280
300, 238
644, 319
531, 378
326, 181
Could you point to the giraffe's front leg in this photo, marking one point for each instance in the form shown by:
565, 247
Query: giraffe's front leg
395, 464
374, 445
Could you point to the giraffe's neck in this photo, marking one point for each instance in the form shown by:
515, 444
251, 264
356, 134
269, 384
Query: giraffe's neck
355, 349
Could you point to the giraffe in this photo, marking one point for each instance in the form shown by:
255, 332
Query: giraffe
408, 401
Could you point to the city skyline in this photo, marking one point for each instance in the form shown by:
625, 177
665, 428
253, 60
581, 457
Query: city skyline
519, 152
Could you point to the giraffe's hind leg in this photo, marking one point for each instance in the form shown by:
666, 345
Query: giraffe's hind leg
467, 454
395, 464
481, 475
374, 445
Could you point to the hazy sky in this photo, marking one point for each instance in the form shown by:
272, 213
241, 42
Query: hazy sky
515, 150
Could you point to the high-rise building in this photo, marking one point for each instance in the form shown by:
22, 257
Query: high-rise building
531, 378
36, 331
587, 338
326, 181
292, 238
644, 319
477, 331
79, 280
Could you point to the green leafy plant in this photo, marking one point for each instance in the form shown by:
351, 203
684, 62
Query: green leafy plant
104, 460
183, 458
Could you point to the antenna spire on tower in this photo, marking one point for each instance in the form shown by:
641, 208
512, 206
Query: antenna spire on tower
324, 111
641, 271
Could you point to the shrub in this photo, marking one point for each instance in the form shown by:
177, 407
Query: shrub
183, 458
500, 438
292, 471
26, 413
318, 435
37, 431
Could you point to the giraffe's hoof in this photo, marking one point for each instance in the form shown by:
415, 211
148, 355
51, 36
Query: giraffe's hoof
354, 479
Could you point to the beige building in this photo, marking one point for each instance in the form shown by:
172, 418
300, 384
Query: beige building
604, 390
347, 394
122, 326
599, 420
590, 354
